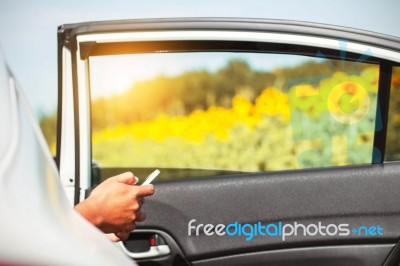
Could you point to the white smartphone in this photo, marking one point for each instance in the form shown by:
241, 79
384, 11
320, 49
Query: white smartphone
151, 177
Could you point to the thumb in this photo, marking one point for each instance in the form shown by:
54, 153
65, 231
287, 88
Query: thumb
127, 178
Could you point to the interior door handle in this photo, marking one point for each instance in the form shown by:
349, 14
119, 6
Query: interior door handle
156, 251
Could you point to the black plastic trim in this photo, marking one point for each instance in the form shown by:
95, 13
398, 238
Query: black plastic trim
59, 99
98, 49
394, 257
382, 112
76, 123
354, 255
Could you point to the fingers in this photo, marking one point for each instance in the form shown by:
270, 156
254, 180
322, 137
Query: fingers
130, 226
135, 181
141, 216
124, 235
144, 191
141, 201
127, 178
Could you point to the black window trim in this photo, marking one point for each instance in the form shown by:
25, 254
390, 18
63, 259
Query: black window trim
382, 112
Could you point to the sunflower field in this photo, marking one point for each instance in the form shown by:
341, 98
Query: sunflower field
242, 120
308, 126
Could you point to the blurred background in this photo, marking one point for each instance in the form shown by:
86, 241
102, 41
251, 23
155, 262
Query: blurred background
28, 39
28, 28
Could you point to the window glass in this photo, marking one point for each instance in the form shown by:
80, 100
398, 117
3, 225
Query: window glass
205, 113
392, 151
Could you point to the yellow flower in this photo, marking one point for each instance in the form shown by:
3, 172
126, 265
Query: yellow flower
273, 102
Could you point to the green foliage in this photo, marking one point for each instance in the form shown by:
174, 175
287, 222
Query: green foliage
170, 95
48, 124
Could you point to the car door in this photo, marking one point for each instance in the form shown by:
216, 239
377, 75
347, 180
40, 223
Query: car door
277, 141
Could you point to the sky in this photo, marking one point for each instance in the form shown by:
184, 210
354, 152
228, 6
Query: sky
117, 73
28, 28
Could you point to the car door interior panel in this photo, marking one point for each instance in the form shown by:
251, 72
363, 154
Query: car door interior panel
335, 204
364, 195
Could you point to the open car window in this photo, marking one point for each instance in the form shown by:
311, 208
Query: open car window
214, 110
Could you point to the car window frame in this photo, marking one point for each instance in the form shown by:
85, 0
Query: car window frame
83, 36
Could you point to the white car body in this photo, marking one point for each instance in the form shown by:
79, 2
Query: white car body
38, 224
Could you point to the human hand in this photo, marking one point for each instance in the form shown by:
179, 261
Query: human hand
124, 235
114, 205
